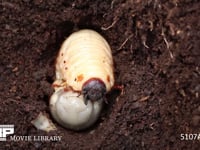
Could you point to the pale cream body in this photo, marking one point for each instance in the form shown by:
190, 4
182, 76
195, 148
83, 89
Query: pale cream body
69, 110
84, 55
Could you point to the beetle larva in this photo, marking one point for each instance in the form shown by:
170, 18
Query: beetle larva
85, 64
84, 74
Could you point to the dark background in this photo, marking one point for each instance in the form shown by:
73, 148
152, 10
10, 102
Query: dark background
156, 49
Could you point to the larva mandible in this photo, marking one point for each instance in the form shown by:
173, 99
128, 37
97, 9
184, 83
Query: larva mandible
85, 64
84, 73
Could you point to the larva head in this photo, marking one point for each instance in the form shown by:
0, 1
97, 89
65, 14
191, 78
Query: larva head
94, 89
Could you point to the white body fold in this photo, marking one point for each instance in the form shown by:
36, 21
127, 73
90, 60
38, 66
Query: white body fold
69, 110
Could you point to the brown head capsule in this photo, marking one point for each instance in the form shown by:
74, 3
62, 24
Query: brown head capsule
94, 89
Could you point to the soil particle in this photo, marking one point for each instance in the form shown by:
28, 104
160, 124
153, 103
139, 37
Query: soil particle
156, 49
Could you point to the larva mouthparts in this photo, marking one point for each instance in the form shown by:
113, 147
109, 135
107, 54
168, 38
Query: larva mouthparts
94, 89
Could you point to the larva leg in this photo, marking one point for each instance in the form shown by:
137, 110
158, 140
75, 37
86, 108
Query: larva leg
119, 87
59, 84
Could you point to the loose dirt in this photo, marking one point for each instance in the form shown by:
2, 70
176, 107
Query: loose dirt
156, 49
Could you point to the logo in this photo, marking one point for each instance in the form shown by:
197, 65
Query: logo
5, 130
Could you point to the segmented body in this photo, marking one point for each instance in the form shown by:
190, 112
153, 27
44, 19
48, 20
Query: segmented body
84, 55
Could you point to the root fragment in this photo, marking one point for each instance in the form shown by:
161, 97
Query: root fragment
125, 42
167, 44
110, 26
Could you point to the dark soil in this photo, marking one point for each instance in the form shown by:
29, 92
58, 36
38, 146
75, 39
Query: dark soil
156, 49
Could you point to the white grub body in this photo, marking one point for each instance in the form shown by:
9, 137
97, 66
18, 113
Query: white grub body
84, 63
69, 110
84, 55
